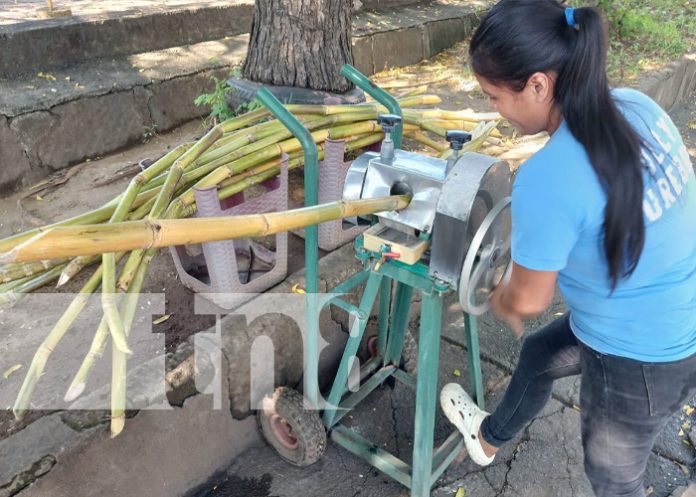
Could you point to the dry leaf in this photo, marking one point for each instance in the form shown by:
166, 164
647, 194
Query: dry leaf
460, 492
46, 75
457, 373
9, 372
162, 319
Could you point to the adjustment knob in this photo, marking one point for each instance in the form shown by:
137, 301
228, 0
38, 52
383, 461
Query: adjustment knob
388, 122
457, 138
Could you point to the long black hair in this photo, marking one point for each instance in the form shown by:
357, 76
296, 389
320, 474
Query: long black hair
518, 38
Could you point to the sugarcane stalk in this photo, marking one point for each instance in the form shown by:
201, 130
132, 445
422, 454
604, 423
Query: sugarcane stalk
225, 145
277, 130
176, 161
124, 205
268, 153
266, 166
38, 363
70, 241
455, 124
30, 285
404, 103
255, 151
119, 360
6, 287
18, 271
99, 341
93, 217
465, 115
419, 90
479, 135
108, 301
426, 140
239, 182
243, 121
401, 83
130, 269
162, 202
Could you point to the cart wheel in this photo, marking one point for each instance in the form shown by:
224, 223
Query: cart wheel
409, 354
297, 434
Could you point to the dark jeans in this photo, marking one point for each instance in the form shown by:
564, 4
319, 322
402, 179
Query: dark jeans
624, 403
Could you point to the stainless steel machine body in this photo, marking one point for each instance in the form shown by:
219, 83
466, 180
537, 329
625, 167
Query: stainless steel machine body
448, 206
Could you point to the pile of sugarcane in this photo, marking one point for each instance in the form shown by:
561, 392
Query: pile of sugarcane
232, 156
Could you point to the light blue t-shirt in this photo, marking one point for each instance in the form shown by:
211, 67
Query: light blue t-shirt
557, 217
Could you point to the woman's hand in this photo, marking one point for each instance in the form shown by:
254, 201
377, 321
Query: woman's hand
526, 294
513, 320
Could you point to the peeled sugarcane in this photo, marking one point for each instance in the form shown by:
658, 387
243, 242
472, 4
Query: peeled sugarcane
70, 241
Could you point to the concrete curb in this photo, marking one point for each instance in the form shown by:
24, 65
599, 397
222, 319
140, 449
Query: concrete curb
40, 118
670, 85
42, 45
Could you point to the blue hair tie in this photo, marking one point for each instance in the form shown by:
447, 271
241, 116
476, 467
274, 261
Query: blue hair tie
570, 17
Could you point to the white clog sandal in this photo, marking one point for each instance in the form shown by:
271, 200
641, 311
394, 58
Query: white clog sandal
466, 416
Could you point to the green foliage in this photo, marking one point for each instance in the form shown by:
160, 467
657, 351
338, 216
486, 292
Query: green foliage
248, 106
646, 33
217, 99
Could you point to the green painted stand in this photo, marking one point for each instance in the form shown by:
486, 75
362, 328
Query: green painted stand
428, 462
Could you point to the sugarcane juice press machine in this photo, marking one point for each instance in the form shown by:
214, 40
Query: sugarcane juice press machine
453, 237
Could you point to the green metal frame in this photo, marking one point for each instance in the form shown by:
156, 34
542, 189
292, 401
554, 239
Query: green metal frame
364, 83
311, 187
428, 462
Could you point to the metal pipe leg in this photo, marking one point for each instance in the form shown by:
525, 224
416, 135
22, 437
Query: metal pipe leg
472, 345
398, 324
356, 333
426, 393
383, 322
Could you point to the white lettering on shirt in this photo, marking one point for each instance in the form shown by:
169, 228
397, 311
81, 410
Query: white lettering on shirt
665, 146
651, 206
678, 168
662, 124
665, 192
669, 171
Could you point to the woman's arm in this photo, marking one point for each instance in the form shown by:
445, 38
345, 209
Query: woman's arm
526, 294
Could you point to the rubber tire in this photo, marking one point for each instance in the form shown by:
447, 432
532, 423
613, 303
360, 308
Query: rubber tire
409, 353
245, 90
307, 427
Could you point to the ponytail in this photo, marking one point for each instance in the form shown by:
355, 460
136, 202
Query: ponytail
518, 38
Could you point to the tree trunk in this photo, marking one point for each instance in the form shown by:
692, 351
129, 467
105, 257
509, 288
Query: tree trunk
301, 43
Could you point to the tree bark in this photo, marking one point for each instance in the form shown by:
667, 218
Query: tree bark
301, 43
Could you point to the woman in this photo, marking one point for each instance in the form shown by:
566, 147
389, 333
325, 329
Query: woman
608, 209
